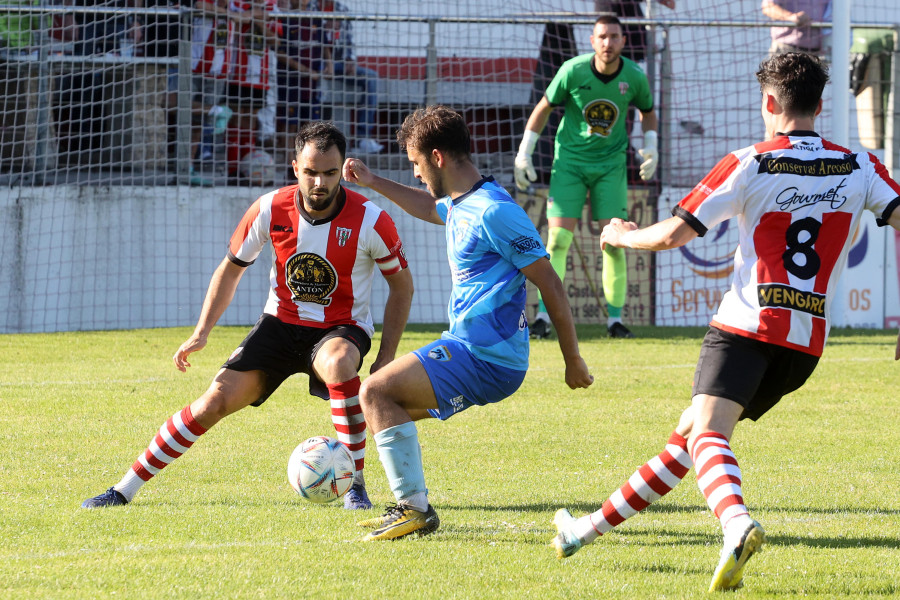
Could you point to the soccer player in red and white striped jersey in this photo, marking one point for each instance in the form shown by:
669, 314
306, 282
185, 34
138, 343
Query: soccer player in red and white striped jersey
327, 242
798, 199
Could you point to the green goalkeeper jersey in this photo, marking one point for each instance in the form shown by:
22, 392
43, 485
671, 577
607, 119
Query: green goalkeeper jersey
593, 125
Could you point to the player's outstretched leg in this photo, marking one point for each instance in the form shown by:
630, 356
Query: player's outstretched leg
174, 438
350, 425
648, 484
719, 479
401, 456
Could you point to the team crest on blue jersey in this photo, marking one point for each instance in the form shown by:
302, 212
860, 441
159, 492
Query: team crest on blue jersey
310, 278
601, 115
439, 353
460, 229
525, 244
343, 234
523, 321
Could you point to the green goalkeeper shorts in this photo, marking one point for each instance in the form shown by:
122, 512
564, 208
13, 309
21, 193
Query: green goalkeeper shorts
570, 184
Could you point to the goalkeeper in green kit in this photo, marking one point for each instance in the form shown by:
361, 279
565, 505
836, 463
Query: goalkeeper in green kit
590, 155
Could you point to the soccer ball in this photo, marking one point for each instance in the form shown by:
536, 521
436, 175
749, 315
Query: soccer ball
321, 469
258, 168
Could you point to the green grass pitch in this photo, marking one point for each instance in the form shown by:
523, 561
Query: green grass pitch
820, 471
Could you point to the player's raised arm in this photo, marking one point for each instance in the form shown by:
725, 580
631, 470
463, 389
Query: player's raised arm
224, 282
542, 275
418, 203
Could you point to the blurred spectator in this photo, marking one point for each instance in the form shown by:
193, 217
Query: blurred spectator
211, 34
251, 88
800, 37
349, 86
160, 32
63, 27
299, 71
17, 29
103, 33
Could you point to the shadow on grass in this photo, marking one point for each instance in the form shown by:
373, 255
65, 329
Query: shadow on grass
656, 536
833, 542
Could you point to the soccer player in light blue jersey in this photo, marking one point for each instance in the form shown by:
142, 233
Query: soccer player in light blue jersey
482, 358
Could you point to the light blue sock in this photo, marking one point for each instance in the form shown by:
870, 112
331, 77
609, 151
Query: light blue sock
401, 457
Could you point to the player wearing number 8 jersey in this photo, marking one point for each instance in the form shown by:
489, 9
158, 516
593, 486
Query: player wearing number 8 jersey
798, 200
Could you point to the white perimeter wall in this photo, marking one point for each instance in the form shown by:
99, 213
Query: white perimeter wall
120, 258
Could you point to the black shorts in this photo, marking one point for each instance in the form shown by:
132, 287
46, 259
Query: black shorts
280, 349
752, 373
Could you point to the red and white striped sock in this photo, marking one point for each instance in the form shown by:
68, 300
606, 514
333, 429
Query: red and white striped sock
647, 485
176, 435
718, 476
348, 419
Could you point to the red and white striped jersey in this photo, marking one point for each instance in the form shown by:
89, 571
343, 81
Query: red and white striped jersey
253, 58
212, 38
798, 200
321, 269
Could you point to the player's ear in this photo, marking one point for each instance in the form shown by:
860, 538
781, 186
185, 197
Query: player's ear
818, 108
438, 157
296, 168
772, 106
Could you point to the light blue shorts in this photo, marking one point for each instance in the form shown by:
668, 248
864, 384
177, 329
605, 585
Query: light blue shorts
460, 379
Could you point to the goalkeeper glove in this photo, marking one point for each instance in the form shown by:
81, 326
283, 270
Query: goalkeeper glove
650, 155
524, 167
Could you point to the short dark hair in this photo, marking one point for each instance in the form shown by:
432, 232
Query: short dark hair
323, 135
608, 20
796, 79
436, 127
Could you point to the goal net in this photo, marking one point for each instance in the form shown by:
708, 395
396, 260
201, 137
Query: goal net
135, 134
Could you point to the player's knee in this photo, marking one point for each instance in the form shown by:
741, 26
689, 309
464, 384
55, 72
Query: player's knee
370, 393
559, 239
337, 367
210, 408
686, 422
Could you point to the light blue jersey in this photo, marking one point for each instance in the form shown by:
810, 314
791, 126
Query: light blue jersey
489, 238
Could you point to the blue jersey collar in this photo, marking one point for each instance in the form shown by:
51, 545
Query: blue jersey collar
481, 182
